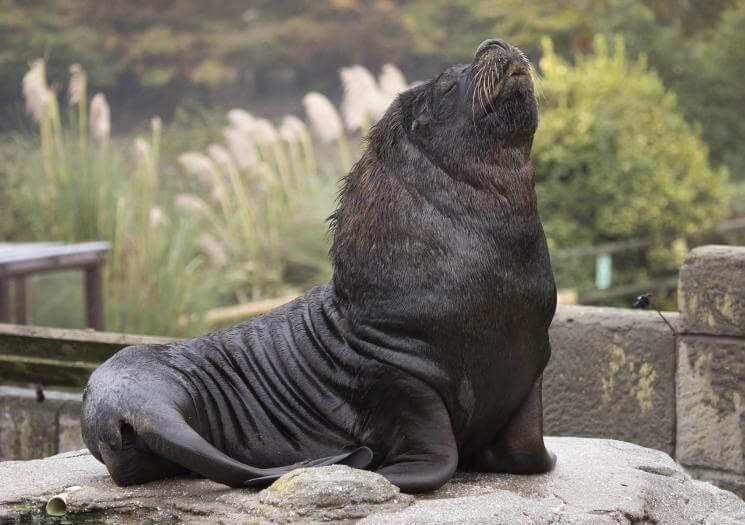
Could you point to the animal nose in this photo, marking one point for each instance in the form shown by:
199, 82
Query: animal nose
493, 42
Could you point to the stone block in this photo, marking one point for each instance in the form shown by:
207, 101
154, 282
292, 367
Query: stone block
31, 429
611, 375
711, 291
711, 403
28, 429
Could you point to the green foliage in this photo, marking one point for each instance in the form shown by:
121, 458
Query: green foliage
698, 49
15, 218
153, 56
615, 159
713, 93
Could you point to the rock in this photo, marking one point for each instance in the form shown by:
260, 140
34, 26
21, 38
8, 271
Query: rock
595, 481
711, 291
337, 492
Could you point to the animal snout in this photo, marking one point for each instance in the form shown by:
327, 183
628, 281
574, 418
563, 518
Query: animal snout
493, 42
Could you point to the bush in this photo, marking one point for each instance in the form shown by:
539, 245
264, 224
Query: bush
614, 157
713, 89
615, 160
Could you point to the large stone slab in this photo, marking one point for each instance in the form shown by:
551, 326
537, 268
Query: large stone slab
595, 482
711, 403
611, 375
711, 291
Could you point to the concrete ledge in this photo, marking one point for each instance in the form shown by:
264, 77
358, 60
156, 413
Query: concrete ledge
611, 375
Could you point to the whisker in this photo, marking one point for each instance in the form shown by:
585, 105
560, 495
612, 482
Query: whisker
473, 112
479, 88
537, 79
482, 93
493, 76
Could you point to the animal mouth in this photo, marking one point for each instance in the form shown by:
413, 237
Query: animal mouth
489, 84
495, 65
517, 69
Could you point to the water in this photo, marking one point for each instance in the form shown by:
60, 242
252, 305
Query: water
88, 518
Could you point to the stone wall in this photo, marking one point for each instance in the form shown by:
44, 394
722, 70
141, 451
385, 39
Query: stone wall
614, 373
710, 402
611, 375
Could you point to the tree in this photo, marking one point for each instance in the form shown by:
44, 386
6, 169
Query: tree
712, 90
615, 158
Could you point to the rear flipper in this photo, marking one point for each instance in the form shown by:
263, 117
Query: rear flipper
357, 458
156, 455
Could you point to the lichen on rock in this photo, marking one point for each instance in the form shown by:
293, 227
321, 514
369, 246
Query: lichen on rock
334, 492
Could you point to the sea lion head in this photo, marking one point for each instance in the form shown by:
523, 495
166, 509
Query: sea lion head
481, 107
451, 151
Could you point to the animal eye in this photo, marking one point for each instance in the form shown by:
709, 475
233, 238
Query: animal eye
449, 88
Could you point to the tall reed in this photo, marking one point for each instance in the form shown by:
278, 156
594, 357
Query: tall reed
90, 188
266, 193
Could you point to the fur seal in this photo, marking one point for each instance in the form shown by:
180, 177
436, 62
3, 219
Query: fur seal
423, 354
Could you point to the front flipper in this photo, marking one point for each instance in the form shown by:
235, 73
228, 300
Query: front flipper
426, 453
358, 458
519, 447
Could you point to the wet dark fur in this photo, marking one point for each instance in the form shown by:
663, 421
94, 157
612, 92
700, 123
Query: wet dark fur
426, 350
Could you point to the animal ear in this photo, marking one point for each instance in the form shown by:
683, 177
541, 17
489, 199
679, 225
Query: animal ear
420, 113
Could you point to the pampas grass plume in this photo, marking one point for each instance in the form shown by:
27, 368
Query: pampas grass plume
219, 155
36, 92
392, 82
199, 165
292, 129
264, 131
190, 204
100, 118
77, 86
142, 151
213, 249
363, 102
241, 147
156, 218
323, 117
241, 120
